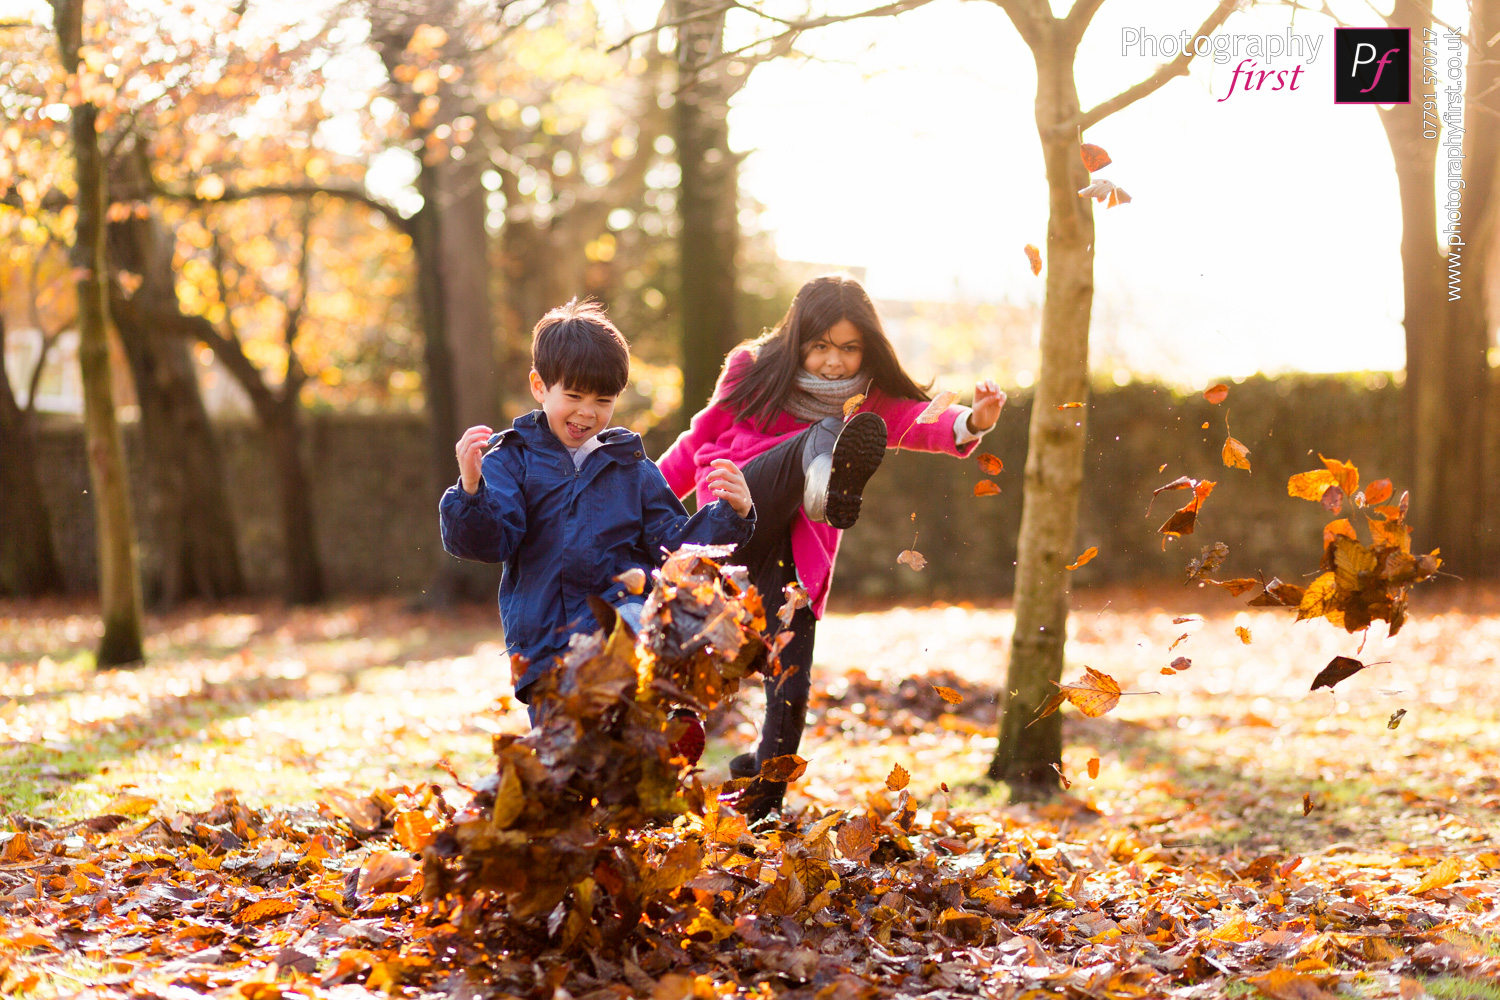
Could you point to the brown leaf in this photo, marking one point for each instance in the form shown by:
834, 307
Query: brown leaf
1094, 157
1339, 668
785, 897
856, 840
1066, 781
363, 815
264, 909
787, 767
1093, 767
510, 798
1093, 694
1307, 803
1181, 663
898, 778
1216, 394
1210, 558
989, 464
796, 595
1285, 984
949, 695
986, 488
1237, 586
912, 558
1183, 620
1086, 555
1444, 873
1035, 257
383, 870
852, 404
1178, 641
1395, 719
1332, 499
1235, 454
1243, 633
935, 409
1278, 594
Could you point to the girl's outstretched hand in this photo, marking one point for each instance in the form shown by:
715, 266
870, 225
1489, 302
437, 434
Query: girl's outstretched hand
987, 402
727, 482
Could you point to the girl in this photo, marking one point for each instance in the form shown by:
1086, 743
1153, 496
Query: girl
779, 413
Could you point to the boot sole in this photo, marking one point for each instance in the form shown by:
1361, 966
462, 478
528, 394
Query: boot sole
856, 455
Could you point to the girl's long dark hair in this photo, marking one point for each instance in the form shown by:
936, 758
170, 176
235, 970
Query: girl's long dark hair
819, 304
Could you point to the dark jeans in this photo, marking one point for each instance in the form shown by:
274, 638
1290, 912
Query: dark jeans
775, 480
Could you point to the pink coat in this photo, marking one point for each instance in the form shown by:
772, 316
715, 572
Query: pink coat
716, 432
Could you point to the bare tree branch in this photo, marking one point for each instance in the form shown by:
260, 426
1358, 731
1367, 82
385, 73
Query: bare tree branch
792, 28
293, 191
1080, 17
1028, 16
1154, 82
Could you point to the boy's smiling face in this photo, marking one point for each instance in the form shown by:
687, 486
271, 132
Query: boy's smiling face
574, 415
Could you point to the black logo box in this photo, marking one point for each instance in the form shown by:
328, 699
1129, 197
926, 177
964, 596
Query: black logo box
1372, 65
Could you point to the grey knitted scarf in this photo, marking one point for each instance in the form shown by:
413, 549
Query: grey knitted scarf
814, 398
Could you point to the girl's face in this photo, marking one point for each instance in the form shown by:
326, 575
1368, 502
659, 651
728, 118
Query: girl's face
835, 353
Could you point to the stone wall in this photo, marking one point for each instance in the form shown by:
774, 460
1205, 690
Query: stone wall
377, 514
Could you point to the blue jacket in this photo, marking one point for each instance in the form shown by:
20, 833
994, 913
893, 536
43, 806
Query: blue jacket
565, 533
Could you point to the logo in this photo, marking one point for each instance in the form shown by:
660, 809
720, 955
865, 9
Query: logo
1372, 65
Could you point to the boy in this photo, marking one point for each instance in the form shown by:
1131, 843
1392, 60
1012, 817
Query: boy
567, 502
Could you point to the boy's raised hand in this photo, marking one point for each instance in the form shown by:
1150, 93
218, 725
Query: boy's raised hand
727, 482
470, 452
987, 402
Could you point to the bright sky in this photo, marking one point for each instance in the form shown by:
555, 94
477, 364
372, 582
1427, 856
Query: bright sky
1264, 232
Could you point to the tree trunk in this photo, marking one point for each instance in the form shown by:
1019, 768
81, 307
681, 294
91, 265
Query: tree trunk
464, 250
119, 580
281, 419
1054, 462
196, 553
1459, 528
707, 203
28, 556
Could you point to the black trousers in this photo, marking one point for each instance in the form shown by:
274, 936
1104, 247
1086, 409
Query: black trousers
775, 480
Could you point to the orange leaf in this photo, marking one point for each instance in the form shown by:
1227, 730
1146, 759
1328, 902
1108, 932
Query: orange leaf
1216, 394
787, 767
1378, 492
1094, 157
264, 909
852, 403
949, 695
1243, 633
1068, 406
856, 840
986, 488
413, 830
898, 778
1237, 586
1235, 455
1093, 767
1085, 556
1346, 476
1335, 529
1035, 256
1093, 694
1310, 485
989, 464
1307, 803
1444, 873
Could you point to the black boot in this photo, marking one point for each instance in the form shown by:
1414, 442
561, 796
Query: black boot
835, 469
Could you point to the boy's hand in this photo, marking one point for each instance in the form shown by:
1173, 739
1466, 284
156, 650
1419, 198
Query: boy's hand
987, 402
470, 455
727, 483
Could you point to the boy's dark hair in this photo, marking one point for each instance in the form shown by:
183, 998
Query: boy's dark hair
577, 345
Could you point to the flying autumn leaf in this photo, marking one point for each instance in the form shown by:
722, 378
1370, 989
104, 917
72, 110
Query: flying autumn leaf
1108, 192
1332, 499
1395, 719
912, 558
787, 767
852, 403
1185, 519
1093, 767
634, 580
1237, 586
1094, 157
989, 464
795, 596
1184, 619
898, 778
1277, 594
1339, 668
1068, 406
1235, 455
1066, 781
1035, 256
935, 409
1307, 803
986, 488
1179, 641
1181, 663
1378, 492
1243, 633
1216, 394
1083, 557
949, 695
1210, 558
1093, 694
